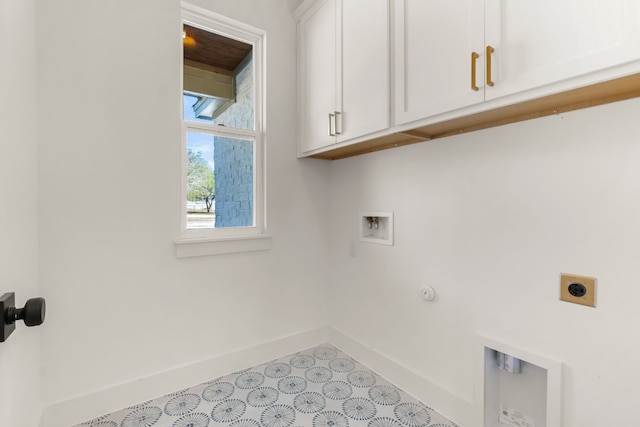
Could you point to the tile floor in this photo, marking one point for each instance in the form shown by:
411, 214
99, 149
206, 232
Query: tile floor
318, 387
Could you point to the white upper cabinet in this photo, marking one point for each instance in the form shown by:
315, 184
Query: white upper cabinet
455, 66
365, 67
317, 65
433, 46
546, 41
453, 54
343, 71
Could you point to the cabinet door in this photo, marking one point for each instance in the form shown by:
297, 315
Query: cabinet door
434, 40
546, 41
317, 73
364, 86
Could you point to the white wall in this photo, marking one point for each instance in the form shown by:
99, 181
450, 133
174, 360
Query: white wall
490, 219
19, 355
121, 306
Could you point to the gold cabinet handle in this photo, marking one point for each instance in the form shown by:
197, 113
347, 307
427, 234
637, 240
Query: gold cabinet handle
337, 113
474, 58
490, 50
331, 116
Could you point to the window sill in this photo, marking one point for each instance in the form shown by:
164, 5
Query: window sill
195, 247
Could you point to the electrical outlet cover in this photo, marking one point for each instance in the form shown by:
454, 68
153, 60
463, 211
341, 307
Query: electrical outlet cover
584, 285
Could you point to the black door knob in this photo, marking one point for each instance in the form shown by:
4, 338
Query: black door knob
32, 313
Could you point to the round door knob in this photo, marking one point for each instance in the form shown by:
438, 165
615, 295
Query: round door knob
32, 313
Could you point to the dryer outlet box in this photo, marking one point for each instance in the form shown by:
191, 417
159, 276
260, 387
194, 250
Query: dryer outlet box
578, 289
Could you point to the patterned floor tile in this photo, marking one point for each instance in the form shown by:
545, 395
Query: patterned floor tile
318, 387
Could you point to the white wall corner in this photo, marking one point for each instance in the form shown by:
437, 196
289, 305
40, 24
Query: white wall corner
86, 407
447, 402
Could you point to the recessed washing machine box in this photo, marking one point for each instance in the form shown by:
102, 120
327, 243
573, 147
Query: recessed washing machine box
376, 227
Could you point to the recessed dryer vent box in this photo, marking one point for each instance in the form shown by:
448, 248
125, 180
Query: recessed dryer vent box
376, 227
528, 396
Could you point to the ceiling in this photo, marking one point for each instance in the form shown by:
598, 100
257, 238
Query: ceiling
212, 51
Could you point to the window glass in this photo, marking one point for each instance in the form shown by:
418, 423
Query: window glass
220, 181
218, 79
219, 131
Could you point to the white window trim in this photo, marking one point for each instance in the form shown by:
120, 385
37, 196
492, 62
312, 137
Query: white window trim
201, 242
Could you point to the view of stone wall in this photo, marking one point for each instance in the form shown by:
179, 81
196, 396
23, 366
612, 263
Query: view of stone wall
233, 158
234, 182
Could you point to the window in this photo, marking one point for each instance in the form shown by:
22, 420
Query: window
222, 199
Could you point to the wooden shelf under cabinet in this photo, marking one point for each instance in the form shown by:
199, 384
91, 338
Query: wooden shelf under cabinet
588, 96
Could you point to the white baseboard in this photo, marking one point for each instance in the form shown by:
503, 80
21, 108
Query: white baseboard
76, 410
86, 407
457, 408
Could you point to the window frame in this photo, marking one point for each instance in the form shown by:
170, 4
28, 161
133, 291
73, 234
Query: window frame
213, 241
